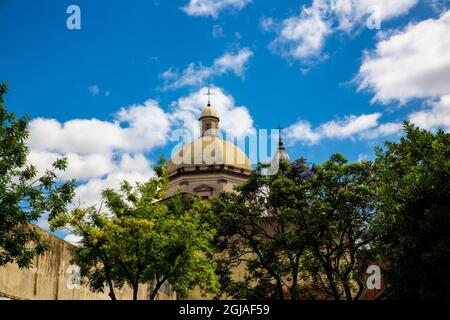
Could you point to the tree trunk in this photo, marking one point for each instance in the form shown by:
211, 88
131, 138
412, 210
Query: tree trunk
294, 287
156, 289
360, 290
111, 294
348, 292
295, 269
135, 291
280, 289
331, 283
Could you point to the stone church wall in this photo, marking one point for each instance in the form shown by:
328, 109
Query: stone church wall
48, 279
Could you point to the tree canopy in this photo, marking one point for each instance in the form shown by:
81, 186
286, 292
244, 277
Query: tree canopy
24, 195
301, 233
413, 219
142, 238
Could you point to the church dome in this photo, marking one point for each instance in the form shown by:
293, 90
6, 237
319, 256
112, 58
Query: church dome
209, 112
280, 155
209, 151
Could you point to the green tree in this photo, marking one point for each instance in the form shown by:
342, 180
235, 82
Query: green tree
24, 196
143, 239
260, 228
342, 201
91, 253
301, 233
413, 220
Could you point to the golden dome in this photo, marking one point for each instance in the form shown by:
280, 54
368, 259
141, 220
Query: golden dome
209, 112
209, 151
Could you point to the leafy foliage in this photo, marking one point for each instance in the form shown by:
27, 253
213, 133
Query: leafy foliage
413, 220
143, 240
301, 233
342, 204
24, 196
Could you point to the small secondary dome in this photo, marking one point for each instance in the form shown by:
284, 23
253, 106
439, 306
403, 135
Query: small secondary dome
280, 155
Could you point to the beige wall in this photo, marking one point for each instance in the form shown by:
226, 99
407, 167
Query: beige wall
47, 279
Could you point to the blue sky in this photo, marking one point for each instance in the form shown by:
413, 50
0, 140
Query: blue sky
313, 66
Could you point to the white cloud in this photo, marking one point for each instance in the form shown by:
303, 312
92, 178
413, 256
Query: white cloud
73, 239
137, 128
364, 127
42, 222
437, 116
383, 130
302, 37
235, 120
233, 62
94, 90
350, 126
132, 168
412, 63
267, 24
302, 131
101, 153
197, 74
79, 135
81, 166
352, 14
213, 8
148, 126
